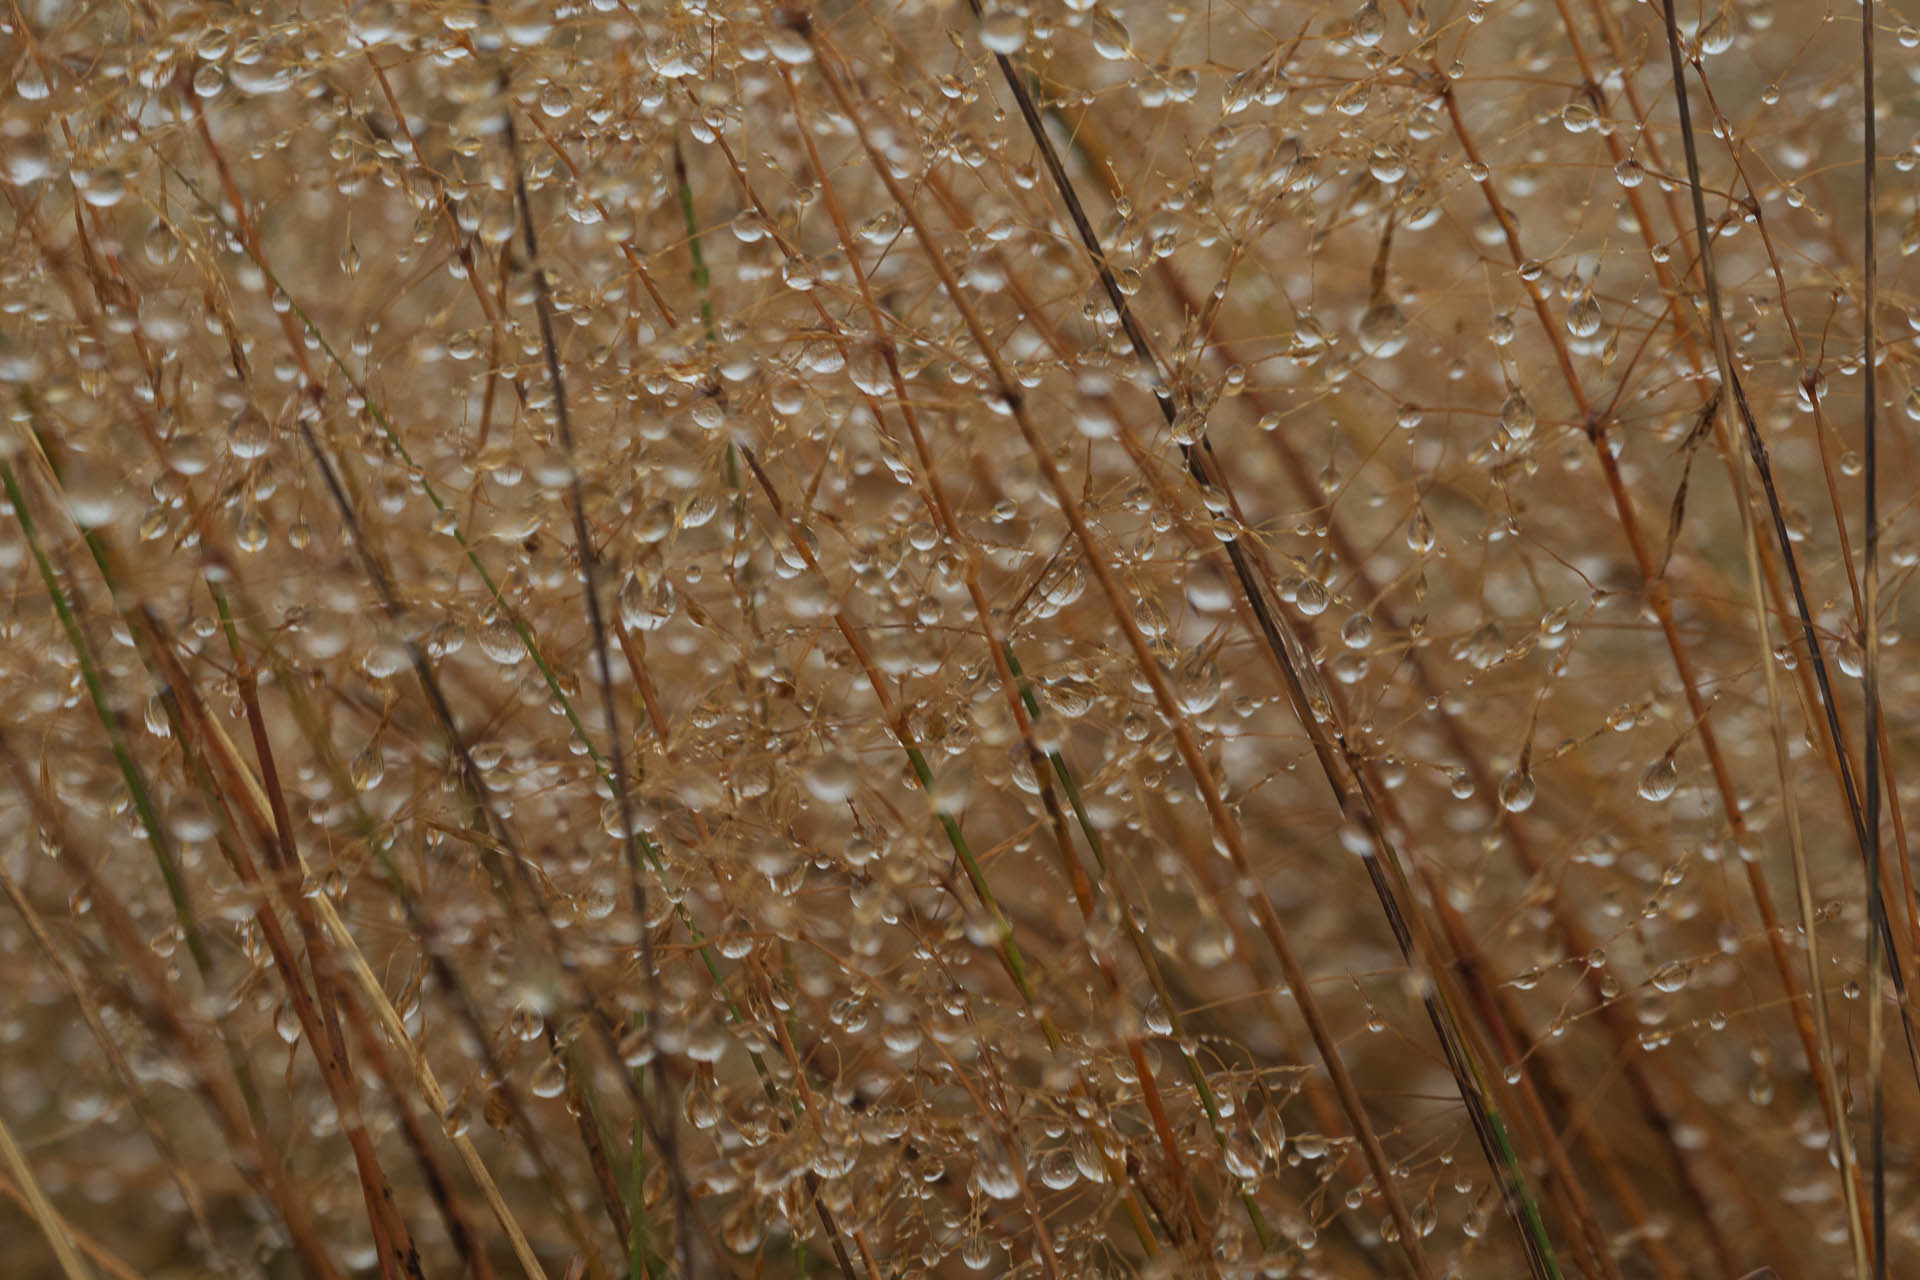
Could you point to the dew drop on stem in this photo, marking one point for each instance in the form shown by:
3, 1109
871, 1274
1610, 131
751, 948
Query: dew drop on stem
1517, 791
1659, 780
1670, 977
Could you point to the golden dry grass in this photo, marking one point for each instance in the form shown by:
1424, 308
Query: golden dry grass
927, 639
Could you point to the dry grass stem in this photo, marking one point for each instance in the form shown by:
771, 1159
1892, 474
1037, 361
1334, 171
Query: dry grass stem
929, 638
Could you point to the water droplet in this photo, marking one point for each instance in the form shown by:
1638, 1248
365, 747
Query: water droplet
1312, 597
647, 607
499, 641
994, 1176
789, 46
1111, 39
161, 245
369, 767
1241, 1156
252, 533
1670, 977
1659, 780
102, 188
1583, 317
263, 76
978, 1252
549, 1079
1086, 1157
1189, 424
1578, 117
832, 778
1243, 89
1369, 25
1004, 31
1516, 419
26, 160
249, 434
1420, 532
1517, 792
1057, 1169
1383, 330
1197, 685
1717, 36
30, 81
800, 273
1850, 657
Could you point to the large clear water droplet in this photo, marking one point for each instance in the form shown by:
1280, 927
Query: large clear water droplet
1659, 780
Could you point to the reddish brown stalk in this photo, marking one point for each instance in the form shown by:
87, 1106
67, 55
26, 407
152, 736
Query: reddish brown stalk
587, 1120
897, 723
137, 1093
1840, 755
941, 508
1006, 389
1325, 1108
214, 1084
1087, 136
656, 1117
468, 1243
1659, 598
1579, 941
92, 1248
317, 1013
1837, 752
1359, 806
436, 696
1700, 361
142, 417
157, 647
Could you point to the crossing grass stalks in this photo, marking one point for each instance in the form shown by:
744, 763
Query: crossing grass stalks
914, 638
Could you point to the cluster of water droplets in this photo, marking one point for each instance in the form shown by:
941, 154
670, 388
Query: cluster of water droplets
946, 684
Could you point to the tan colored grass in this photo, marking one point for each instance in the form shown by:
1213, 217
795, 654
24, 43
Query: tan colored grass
928, 639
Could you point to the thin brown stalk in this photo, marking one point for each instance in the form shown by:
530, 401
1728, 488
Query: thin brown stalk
1658, 594
1348, 780
223, 1094
1870, 408
137, 1093
86, 1244
40, 1209
1188, 748
659, 1120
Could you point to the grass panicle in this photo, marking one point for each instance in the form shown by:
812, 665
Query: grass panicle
919, 639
